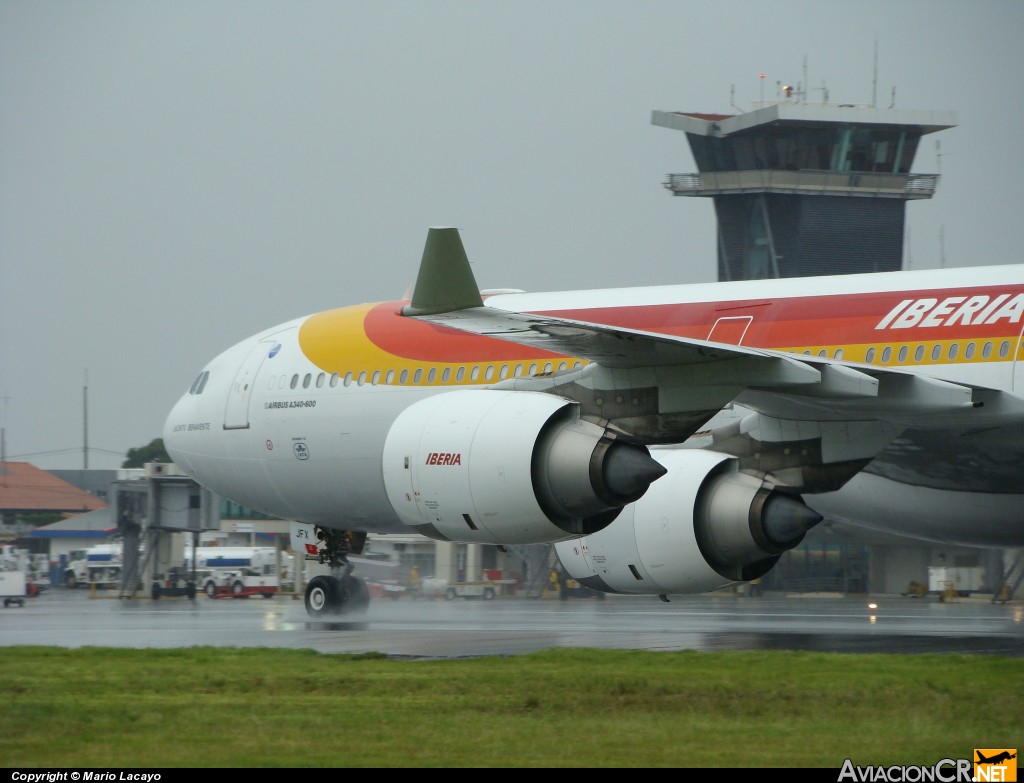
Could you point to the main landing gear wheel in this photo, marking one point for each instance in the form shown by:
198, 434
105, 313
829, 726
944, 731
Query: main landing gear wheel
328, 596
358, 594
321, 596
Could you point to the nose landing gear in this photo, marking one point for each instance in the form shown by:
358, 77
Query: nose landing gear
339, 593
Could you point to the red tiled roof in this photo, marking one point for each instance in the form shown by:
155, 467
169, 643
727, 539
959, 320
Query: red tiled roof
26, 488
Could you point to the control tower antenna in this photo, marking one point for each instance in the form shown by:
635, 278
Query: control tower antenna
732, 97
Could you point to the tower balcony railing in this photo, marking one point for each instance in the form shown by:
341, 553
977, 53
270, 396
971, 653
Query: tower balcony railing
804, 182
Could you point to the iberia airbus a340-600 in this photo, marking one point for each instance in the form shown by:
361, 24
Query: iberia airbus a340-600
667, 440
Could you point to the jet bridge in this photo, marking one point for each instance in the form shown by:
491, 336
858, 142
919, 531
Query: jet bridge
152, 513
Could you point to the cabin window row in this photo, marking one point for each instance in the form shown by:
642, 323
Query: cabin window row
475, 374
952, 352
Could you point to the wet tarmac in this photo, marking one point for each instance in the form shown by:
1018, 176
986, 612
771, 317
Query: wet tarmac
422, 628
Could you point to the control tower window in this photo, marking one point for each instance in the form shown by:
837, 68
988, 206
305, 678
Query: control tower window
873, 149
759, 264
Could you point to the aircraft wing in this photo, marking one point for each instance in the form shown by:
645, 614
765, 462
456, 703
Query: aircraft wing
772, 382
610, 346
698, 376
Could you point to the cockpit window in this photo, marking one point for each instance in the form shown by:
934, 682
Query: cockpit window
200, 383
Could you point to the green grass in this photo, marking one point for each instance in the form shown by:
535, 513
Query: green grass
217, 707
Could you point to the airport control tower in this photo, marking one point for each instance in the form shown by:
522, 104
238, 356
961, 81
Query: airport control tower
806, 188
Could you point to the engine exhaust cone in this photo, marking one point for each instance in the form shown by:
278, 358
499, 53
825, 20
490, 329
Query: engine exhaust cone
785, 520
629, 469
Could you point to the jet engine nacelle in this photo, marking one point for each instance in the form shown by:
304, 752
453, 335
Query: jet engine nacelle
703, 526
508, 467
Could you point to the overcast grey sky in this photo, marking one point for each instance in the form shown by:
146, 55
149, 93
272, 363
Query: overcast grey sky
177, 175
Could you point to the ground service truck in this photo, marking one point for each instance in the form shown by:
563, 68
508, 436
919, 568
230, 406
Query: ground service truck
99, 565
239, 571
